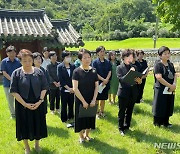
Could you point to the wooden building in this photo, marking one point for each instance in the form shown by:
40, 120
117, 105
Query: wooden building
33, 30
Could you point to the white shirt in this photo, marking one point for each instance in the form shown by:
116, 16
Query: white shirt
45, 63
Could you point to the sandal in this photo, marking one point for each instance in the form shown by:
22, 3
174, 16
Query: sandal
81, 140
88, 138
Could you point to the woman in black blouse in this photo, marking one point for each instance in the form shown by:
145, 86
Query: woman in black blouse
165, 77
29, 86
85, 86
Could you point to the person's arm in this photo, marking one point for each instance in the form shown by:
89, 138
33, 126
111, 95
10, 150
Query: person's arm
21, 101
107, 78
41, 100
78, 94
93, 102
164, 82
7, 76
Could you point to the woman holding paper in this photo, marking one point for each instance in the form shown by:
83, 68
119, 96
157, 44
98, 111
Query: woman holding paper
164, 88
144, 66
103, 67
127, 93
85, 86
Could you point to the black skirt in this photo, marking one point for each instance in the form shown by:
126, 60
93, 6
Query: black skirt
163, 104
83, 123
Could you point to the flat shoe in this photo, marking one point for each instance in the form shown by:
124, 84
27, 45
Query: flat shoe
89, 138
81, 140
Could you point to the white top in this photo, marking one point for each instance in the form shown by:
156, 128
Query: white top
45, 63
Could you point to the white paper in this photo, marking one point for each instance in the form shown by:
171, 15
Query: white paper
101, 88
66, 91
145, 71
166, 91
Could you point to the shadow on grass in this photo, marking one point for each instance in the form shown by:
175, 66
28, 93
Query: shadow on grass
138, 110
63, 133
175, 128
177, 109
147, 101
148, 138
43, 151
102, 147
114, 120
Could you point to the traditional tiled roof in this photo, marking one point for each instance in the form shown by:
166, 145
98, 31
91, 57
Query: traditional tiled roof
24, 25
35, 25
67, 35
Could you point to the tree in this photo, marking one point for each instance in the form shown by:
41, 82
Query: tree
168, 10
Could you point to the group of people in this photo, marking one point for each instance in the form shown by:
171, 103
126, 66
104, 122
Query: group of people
79, 83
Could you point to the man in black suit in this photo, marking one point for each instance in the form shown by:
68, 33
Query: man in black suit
127, 94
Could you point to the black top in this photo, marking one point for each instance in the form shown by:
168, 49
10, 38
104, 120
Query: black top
52, 71
165, 71
86, 82
125, 90
20, 82
143, 65
63, 75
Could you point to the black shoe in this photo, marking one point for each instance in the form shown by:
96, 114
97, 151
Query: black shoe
126, 127
168, 125
122, 133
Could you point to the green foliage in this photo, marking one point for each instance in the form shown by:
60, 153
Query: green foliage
168, 10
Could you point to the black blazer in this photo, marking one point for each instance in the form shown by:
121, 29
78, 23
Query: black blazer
63, 75
20, 82
125, 90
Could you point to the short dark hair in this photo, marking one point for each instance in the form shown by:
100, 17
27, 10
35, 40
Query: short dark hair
52, 53
37, 54
24, 53
127, 53
65, 53
45, 49
110, 54
10, 48
98, 49
139, 52
85, 51
162, 49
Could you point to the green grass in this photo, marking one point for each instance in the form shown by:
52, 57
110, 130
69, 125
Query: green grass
135, 43
107, 138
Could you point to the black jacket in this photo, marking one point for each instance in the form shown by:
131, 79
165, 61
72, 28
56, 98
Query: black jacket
125, 90
63, 75
20, 82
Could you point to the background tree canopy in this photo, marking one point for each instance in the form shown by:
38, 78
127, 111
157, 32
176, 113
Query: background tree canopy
169, 12
100, 19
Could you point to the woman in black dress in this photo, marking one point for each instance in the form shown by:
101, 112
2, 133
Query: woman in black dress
165, 76
38, 59
143, 64
103, 67
29, 86
85, 86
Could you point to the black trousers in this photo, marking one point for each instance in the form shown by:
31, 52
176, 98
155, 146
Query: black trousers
54, 96
140, 90
126, 106
67, 101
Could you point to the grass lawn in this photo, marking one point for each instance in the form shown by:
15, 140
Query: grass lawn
107, 138
135, 43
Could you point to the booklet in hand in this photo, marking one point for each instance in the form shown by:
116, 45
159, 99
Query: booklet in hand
101, 88
89, 112
166, 91
130, 77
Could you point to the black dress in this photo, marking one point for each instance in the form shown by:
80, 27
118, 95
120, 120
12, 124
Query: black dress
163, 104
86, 85
103, 69
30, 124
143, 66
